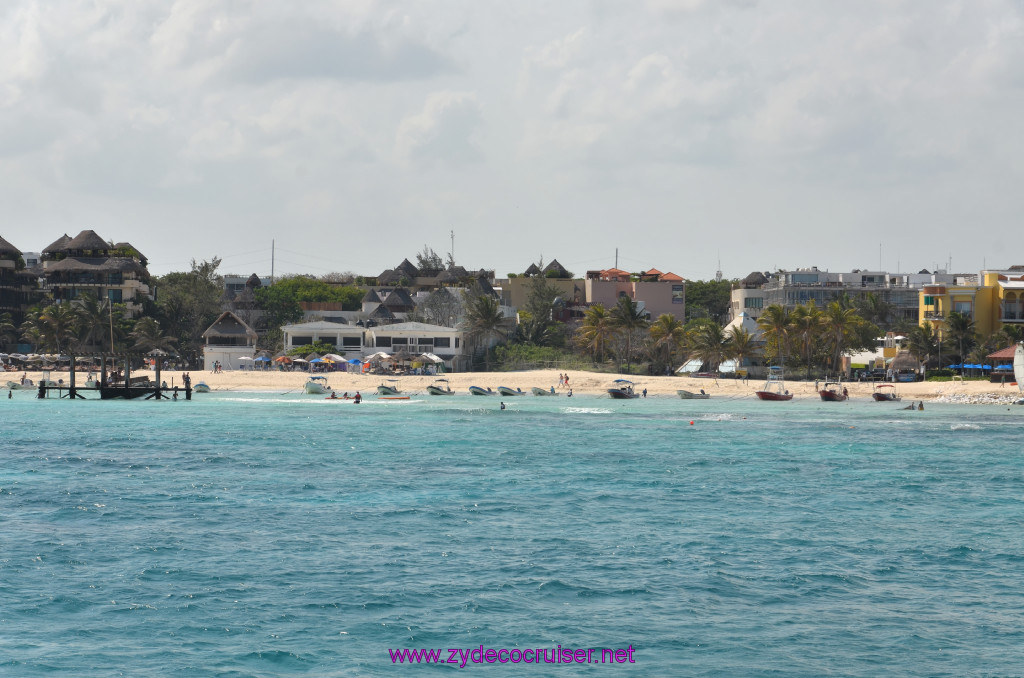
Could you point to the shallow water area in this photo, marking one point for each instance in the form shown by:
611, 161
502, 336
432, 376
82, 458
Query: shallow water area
266, 535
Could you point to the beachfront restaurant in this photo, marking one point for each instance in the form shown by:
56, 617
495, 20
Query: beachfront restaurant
346, 339
227, 341
416, 339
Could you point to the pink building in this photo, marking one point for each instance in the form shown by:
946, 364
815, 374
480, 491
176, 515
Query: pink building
655, 291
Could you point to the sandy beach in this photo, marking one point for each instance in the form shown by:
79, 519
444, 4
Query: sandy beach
583, 383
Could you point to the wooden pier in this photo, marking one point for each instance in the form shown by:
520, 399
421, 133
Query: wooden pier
128, 389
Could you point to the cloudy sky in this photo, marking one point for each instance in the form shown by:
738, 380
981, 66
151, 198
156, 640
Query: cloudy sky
768, 134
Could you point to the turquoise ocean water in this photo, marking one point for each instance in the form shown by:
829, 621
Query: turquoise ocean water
260, 535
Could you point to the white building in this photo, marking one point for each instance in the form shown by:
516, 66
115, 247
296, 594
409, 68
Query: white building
228, 340
446, 343
349, 340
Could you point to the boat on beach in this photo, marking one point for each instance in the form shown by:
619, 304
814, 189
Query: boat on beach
833, 392
389, 389
476, 390
541, 392
690, 395
623, 390
885, 393
506, 391
774, 386
316, 385
440, 387
201, 387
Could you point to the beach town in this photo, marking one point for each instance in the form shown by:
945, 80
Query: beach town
931, 334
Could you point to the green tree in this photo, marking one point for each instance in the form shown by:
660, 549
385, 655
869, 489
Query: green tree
740, 345
148, 336
707, 343
188, 303
807, 326
840, 323
776, 325
628, 320
8, 332
668, 336
1011, 334
428, 262
484, 322
59, 324
94, 320
280, 301
960, 328
595, 331
923, 342
708, 299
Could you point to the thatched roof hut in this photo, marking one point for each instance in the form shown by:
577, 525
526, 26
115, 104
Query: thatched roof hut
230, 330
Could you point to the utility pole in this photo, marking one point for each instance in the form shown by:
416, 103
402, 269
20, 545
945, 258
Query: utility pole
452, 252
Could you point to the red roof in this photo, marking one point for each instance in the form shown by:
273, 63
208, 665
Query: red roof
1004, 353
670, 277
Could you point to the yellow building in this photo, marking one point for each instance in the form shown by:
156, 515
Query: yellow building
992, 299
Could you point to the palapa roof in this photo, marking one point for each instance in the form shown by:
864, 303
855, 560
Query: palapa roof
254, 282
755, 279
129, 246
398, 298
904, 360
58, 245
458, 271
8, 248
446, 277
371, 297
389, 276
486, 286
229, 325
381, 313
407, 269
97, 264
87, 241
532, 270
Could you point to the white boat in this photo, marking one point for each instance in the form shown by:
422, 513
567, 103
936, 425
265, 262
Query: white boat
13, 385
317, 385
201, 387
690, 395
1018, 369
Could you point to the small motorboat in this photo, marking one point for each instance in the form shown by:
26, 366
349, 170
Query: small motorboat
316, 385
506, 391
389, 389
542, 392
476, 390
774, 387
13, 385
201, 387
440, 387
690, 395
833, 392
885, 393
623, 390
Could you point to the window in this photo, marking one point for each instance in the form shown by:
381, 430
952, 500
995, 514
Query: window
114, 296
302, 341
456, 342
962, 307
114, 278
351, 342
384, 342
929, 301
753, 302
400, 341
805, 278
678, 294
442, 342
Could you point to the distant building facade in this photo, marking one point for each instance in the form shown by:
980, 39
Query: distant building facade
86, 263
16, 282
227, 341
657, 292
992, 299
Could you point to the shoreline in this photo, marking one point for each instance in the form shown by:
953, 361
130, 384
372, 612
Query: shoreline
582, 383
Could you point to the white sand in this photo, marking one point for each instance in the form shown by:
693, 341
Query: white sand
589, 383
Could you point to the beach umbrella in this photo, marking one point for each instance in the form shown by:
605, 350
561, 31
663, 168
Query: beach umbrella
263, 359
318, 361
282, 359
354, 361
299, 360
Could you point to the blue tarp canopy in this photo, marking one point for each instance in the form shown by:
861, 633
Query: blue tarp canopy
1004, 367
263, 359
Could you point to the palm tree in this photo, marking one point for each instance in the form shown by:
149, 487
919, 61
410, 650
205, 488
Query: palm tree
740, 345
1012, 334
8, 332
59, 325
840, 323
669, 335
776, 325
483, 321
627, 319
923, 342
960, 328
595, 331
93, 319
149, 337
874, 309
807, 326
32, 330
708, 344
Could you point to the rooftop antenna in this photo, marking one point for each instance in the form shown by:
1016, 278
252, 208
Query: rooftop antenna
271, 261
452, 234
616, 257
718, 273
